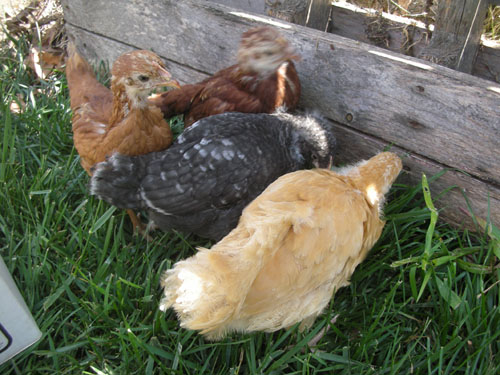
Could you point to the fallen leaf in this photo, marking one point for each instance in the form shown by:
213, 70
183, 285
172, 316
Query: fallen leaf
34, 62
17, 106
54, 60
44, 62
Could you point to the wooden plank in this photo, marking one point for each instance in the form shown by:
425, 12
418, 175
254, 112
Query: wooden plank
254, 6
96, 48
353, 147
457, 33
310, 13
318, 14
487, 63
434, 114
469, 51
294, 11
348, 20
404, 36
397, 34
480, 195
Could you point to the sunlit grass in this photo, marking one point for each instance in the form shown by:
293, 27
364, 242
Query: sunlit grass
492, 23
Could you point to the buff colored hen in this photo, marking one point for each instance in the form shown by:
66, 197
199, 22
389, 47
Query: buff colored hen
295, 245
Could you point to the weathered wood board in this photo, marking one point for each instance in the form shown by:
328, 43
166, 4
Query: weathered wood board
384, 30
487, 63
433, 116
455, 40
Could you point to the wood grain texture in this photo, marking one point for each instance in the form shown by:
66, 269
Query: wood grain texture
310, 13
254, 6
407, 39
318, 14
365, 26
96, 48
356, 25
441, 117
456, 37
472, 42
355, 146
487, 63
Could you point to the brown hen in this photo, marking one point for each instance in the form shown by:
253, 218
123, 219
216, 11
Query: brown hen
121, 119
263, 80
295, 245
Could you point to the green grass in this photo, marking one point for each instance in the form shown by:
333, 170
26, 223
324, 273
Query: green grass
423, 302
492, 22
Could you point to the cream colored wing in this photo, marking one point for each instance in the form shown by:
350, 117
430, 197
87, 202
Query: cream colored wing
316, 257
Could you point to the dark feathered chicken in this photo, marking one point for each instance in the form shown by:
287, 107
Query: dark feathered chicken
214, 169
263, 80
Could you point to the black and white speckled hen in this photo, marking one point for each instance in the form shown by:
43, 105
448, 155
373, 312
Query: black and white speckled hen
214, 169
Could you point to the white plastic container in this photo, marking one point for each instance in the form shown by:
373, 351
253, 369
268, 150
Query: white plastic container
18, 329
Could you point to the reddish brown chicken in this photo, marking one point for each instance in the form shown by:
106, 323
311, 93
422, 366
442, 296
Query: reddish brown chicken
121, 119
263, 79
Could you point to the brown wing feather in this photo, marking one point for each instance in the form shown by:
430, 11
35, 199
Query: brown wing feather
176, 102
221, 95
230, 90
91, 103
84, 89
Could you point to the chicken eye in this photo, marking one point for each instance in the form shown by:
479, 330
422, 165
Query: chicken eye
268, 53
143, 78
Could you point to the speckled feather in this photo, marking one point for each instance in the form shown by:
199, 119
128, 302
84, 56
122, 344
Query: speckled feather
217, 166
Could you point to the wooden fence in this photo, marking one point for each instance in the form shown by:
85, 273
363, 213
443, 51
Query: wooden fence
436, 118
454, 41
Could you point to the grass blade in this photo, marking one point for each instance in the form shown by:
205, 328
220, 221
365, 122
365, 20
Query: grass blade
448, 294
434, 216
103, 219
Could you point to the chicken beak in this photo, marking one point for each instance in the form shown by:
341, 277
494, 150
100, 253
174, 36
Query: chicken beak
291, 55
167, 78
294, 56
170, 83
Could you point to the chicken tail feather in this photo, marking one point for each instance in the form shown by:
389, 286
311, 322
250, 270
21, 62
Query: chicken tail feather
118, 181
375, 177
78, 74
207, 291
